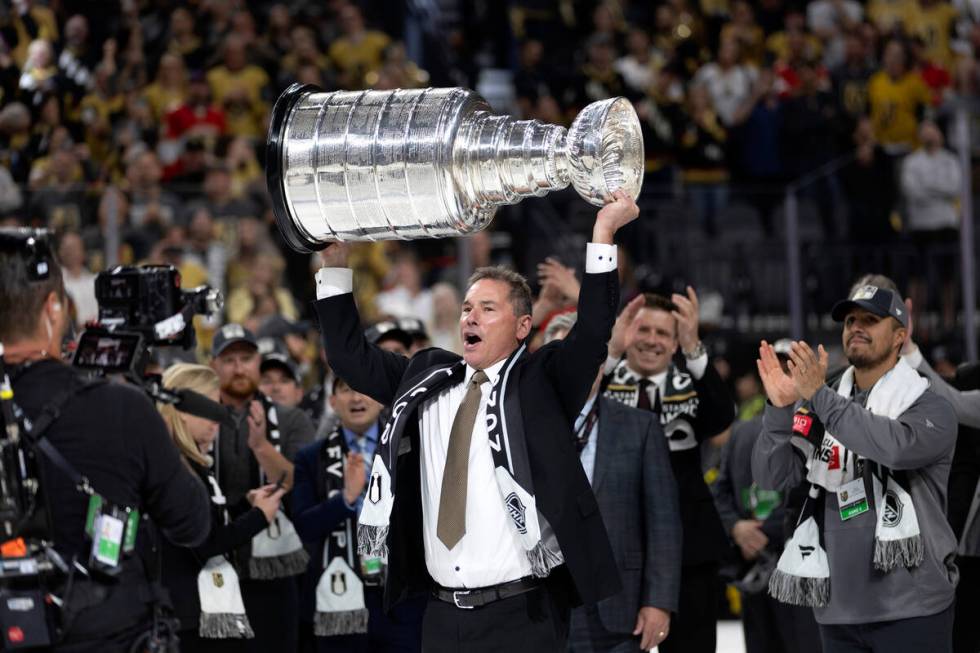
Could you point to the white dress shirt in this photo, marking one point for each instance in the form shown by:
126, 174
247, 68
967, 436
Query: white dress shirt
489, 552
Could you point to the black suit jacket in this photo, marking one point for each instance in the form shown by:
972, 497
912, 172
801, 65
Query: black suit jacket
553, 384
634, 485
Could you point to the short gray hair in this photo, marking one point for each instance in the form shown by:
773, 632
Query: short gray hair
520, 292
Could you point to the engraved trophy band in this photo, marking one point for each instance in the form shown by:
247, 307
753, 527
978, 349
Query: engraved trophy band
431, 163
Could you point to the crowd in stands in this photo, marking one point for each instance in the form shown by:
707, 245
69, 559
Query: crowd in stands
151, 115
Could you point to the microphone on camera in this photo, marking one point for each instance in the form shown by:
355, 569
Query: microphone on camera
194, 403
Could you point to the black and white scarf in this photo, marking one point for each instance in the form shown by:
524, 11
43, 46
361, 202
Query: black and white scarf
222, 610
802, 575
678, 405
277, 552
505, 428
340, 608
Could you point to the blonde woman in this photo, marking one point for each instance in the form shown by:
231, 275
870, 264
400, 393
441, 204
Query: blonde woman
202, 580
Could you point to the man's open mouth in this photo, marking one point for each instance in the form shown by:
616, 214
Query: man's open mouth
472, 339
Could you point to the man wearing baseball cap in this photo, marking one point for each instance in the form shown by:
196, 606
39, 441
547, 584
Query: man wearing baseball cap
257, 450
872, 552
280, 379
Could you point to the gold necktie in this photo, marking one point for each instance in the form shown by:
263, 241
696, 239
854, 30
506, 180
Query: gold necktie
452, 499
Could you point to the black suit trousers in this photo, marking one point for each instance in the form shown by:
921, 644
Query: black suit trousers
534, 621
695, 628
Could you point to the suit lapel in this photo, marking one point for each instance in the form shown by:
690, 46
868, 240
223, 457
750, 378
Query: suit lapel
609, 419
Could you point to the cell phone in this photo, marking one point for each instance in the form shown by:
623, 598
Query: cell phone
279, 484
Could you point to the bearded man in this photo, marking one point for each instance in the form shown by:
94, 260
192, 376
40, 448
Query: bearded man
256, 446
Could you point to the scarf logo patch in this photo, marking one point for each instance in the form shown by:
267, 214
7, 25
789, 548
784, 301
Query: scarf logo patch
802, 424
517, 511
805, 550
338, 583
893, 510
218, 579
374, 489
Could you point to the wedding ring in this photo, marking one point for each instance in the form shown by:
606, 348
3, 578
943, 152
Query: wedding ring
661, 634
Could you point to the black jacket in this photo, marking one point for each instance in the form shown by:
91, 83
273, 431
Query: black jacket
180, 566
553, 384
113, 435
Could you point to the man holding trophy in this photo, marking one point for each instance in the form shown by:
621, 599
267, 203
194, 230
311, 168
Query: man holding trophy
476, 497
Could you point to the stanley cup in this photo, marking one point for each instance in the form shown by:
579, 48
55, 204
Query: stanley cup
431, 163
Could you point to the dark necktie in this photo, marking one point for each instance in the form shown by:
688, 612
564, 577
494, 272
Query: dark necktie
451, 525
585, 429
643, 400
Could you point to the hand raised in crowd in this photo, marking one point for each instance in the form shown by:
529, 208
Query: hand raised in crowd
335, 255
552, 274
749, 537
614, 215
809, 372
257, 437
623, 331
687, 318
355, 477
652, 625
780, 388
267, 498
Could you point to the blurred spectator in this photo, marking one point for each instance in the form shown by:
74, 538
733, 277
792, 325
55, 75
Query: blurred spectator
406, 297
279, 380
40, 74
278, 31
934, 24
202, 245
31, 20
197, 117
870, 188
359, 51
897, 96
389, 336
168, 92
15, 130
850, 85
931, 178
794, 42
102, 106
702, 151
416, 330
933, 73
240, 88
446, 312
597, 79
262, 294
639, 66
219, 195
151, 205
303, 50
830, 21
728, 83
759, 157
183, 41
78, 58
746, 33
890, 16
79, 281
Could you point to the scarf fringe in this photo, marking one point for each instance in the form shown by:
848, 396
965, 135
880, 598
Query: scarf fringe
542, 560
217, 625
346, 622
372, 541
281, 566
907, 552
799, 590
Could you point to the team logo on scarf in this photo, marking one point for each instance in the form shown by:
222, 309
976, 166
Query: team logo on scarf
374, 491
338, 583
217, 579
893, 510
517, 510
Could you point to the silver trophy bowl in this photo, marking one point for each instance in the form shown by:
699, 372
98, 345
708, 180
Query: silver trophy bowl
431, 163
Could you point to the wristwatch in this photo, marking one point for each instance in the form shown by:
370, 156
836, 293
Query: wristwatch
696, 353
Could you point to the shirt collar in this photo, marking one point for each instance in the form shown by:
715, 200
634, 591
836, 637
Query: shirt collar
371, 434
658, 380
492, 372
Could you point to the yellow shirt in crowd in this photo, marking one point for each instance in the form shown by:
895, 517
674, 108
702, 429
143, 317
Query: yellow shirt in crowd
895, 108
244, 118
934, 25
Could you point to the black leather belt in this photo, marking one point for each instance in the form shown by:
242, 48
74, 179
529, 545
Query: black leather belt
468, 599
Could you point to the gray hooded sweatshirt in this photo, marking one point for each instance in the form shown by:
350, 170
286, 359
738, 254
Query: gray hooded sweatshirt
920, 442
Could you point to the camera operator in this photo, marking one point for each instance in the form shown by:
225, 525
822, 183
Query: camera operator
109, 433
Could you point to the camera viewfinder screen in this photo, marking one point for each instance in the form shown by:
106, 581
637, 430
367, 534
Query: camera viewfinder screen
110, 352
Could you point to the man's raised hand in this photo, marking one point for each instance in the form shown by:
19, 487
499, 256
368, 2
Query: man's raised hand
335, 255
622, 332
780, 388
621, 211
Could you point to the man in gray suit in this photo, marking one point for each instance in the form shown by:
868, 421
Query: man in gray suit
625, 456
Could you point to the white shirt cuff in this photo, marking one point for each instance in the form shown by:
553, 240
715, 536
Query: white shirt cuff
600, 258
914, 359
334, 281
698, 366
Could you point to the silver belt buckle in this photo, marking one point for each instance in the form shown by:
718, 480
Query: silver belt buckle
456, 595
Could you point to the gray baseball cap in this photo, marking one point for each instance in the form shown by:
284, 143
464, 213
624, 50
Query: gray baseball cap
229, 335
880, 301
